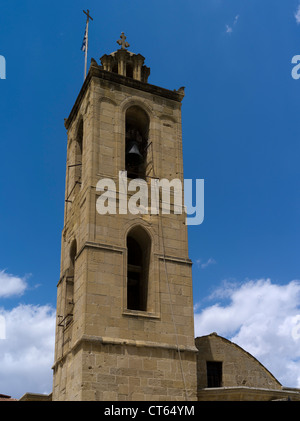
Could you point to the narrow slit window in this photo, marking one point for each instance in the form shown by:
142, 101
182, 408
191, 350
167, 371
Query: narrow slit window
129, 70
78, 153
70, 281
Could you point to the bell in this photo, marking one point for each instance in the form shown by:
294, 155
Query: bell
133, 155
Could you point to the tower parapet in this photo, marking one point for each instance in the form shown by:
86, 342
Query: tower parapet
126, 63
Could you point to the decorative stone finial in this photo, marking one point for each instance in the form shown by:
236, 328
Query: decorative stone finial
124, 44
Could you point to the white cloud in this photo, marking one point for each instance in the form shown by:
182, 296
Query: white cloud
11, 285
27, 352
297, 14
264, 319
210, 261
204, 265
229, 29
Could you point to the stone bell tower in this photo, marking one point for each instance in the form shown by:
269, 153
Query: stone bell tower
125, 328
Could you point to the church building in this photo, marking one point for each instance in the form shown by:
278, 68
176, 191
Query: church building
125, 320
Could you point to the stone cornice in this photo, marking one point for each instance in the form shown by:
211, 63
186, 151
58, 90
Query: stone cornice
96, 71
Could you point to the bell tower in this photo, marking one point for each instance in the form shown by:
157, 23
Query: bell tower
125, 328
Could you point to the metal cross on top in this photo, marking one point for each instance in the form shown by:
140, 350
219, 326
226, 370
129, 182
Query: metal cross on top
88, 15
124, 44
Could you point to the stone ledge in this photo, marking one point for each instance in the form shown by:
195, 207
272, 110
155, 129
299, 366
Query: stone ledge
89, 244
244, 393
104, 340
36, 397
139, 313
174, 259
116, 249
119, 341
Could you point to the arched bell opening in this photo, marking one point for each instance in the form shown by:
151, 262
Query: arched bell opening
138, 261
137, 130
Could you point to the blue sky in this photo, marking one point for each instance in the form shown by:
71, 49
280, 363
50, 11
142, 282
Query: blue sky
241, 134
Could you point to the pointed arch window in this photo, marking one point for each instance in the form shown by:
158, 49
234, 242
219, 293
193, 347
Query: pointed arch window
138, 261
